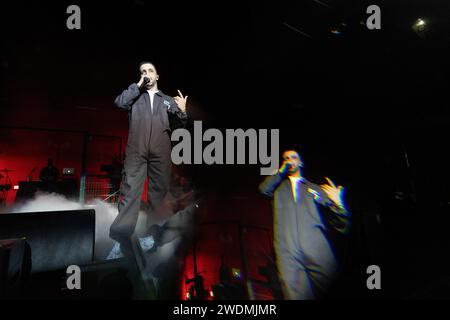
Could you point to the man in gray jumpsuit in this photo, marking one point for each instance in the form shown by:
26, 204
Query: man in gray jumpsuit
305, 259
147, 154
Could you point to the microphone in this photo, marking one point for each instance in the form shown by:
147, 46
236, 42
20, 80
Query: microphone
144, 83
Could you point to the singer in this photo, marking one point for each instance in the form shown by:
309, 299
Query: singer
305, 259
152, 115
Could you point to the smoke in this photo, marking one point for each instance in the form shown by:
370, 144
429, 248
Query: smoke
173, 224
105, 213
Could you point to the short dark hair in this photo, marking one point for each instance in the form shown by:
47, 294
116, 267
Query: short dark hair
298, 153
144, 62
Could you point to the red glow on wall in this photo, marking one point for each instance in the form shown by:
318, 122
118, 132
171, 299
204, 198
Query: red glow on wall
219, 246
25, 152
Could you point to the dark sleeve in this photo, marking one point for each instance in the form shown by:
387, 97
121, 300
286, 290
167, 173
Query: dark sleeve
127, 97
270, 184
337, 217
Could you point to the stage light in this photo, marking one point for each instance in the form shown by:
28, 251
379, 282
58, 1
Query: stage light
188, 295
339, 29
236, 273
211, 293
420, 23
16, 187
335, 31
420, 27
68, 171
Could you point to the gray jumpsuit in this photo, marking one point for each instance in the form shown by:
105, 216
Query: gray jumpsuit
147, 154
305, 259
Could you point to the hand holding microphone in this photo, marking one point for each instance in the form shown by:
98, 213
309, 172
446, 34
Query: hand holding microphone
285, 166
143, 81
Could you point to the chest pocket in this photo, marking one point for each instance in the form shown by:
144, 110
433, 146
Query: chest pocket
314, 194
163, 108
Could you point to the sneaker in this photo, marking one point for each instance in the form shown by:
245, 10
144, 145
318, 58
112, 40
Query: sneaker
146, 243
115, 253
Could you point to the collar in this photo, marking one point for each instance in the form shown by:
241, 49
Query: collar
297, 179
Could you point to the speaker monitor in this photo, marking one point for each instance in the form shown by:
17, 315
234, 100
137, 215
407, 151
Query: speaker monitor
57, 239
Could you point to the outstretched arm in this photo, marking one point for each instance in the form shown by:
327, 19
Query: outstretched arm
331, 197
178, 110
335, 195
181, 101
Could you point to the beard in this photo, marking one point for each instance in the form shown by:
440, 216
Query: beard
293, 169
151, 84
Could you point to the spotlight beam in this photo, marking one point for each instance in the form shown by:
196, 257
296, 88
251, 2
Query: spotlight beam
297, 30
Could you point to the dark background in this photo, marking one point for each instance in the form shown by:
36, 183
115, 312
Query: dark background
367, 108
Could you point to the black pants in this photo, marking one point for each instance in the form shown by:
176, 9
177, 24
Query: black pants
154, 164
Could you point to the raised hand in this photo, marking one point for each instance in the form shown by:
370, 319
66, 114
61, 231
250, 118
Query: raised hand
142, 80
180, 100
334, 192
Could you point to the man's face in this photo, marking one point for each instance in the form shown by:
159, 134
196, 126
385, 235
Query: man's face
292, 158
148, 70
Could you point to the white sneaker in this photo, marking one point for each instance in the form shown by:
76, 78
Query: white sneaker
146, 243
115, 253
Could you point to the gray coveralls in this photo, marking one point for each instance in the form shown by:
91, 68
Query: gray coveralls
305, 259
147, 154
